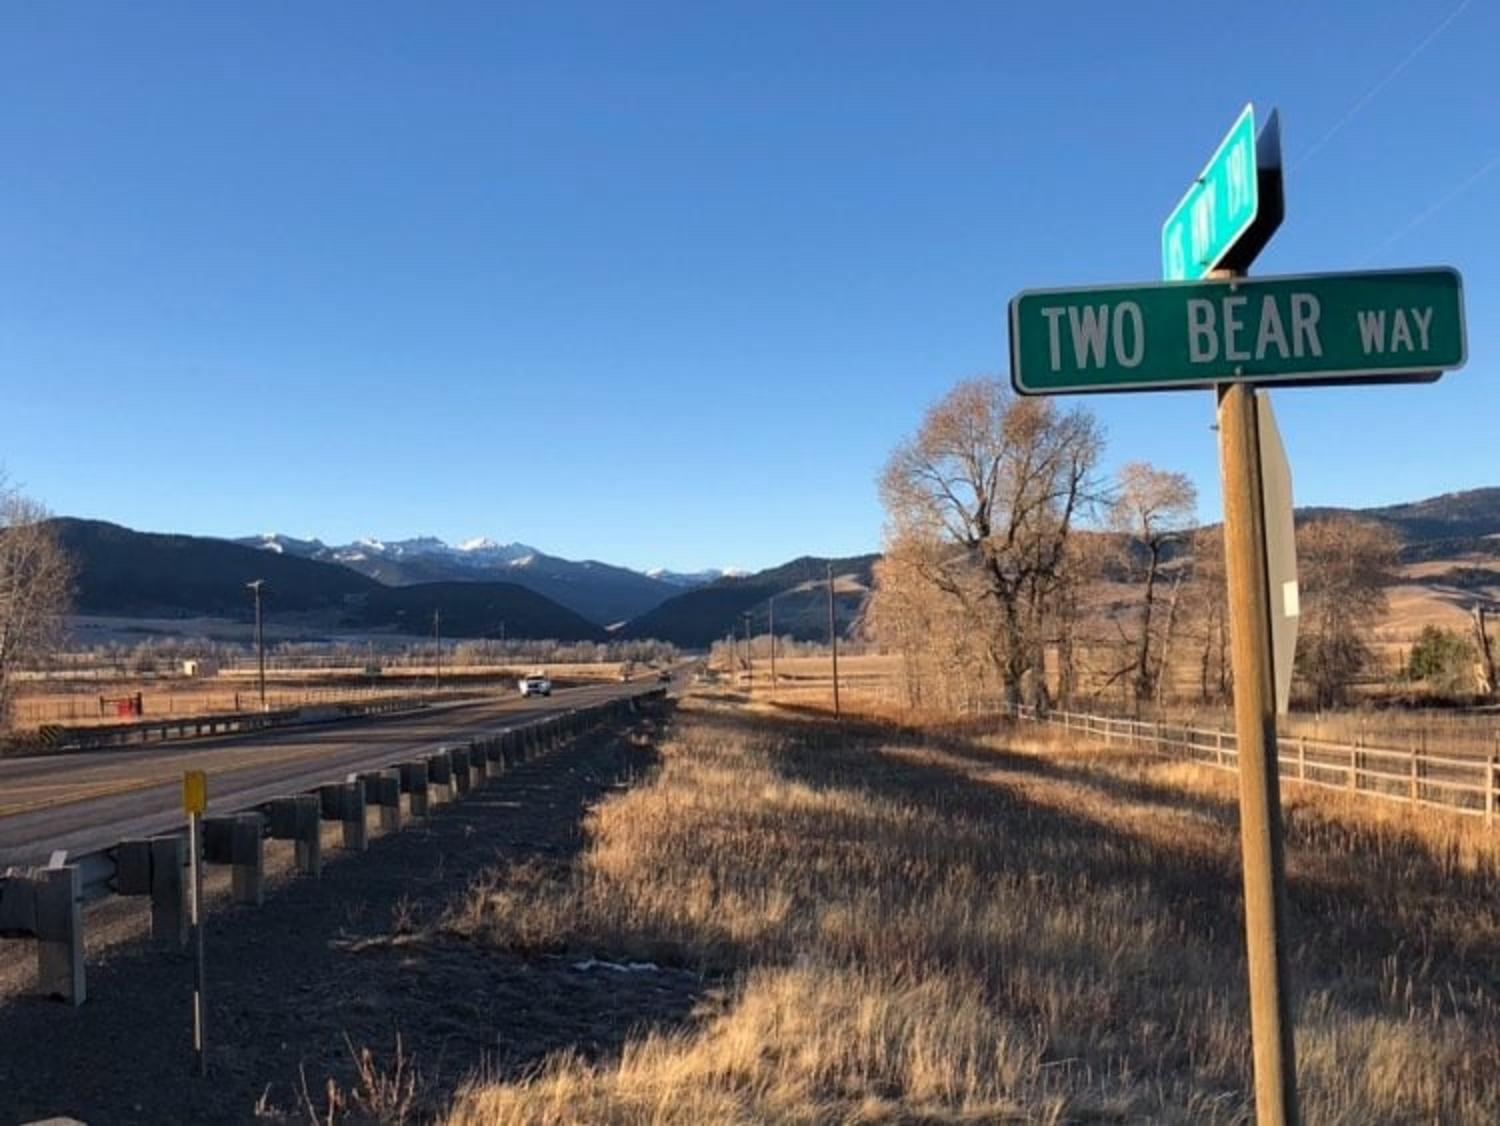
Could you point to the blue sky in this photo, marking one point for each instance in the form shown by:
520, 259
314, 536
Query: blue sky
664, 283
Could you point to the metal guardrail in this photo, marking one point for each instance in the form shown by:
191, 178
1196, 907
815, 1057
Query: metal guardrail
1468, 786
47, 903
58, 737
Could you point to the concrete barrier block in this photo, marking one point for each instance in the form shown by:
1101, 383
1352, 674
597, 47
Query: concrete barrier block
59, 934
458, 758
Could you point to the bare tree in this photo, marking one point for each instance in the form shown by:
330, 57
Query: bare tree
1345, 567
1155, 510
36, 582
999, 481
1208, 609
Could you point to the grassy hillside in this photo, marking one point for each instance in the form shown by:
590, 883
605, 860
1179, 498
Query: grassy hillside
125, 572
121, 572
702, 616
470, 609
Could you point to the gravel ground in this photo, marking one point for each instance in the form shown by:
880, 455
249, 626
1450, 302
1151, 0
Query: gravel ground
323, 970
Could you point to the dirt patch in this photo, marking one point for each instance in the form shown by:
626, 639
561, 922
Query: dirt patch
330, 967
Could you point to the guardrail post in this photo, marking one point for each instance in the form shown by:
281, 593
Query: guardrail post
1491, 784
59, 934
414, 785
169, 917
297, 819
463, 781
440, 772
1302, 758
236, 841
345, 802
1354, 766
383, 790
1412, 787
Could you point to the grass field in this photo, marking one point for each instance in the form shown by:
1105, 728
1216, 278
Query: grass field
944, 930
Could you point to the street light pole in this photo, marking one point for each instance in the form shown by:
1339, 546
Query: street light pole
260, 640
437, 636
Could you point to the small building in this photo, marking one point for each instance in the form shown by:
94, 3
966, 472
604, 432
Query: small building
200, 667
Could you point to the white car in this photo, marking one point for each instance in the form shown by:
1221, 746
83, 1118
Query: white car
536, 684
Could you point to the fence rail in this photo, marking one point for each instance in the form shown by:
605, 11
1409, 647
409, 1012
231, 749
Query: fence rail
1470, 786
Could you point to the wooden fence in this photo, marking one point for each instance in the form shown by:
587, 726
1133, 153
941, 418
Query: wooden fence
1470, 786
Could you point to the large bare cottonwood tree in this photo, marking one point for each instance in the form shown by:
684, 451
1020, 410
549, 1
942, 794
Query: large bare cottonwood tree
1154, 508
1345, 568
36, 580
990, 487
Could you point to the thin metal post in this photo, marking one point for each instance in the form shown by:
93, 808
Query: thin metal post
772, 628
260, 641
833, 643
200, 969
1255, 729
749, 658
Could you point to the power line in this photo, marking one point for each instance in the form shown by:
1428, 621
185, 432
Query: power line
1369, 95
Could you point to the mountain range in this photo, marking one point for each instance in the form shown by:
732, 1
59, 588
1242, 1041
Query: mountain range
605, 594
485, 589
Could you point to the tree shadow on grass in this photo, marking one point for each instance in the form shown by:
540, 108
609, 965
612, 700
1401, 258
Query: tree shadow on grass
1331, 923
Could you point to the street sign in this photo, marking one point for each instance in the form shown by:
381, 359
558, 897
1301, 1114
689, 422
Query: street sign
1233, 206
1314, 328
1281, 549
194, 791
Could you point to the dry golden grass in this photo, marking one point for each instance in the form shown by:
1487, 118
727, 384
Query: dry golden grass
942, 930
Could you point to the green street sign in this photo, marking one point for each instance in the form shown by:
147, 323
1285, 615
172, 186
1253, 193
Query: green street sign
1236, 197
1351, 328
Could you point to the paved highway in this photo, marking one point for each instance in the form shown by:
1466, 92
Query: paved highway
92, 800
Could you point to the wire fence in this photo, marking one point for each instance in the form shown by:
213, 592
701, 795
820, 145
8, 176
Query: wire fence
1469, 786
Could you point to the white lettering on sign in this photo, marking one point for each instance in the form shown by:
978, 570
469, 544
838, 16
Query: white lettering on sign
1203, 223
1088, 326
1424, 323
1372, 325
1129, 310
1098, 333
1233, 326
1306, 311
1176, 255
1203, 342
1054, 313
1271, 331
1239, 180
1221, 329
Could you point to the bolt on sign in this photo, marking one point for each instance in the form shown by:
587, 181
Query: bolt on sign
1312, 328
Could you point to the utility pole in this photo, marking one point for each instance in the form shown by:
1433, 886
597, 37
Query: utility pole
1261, 847
833, 643
260, 640
437, 636
772, 628
749, 657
